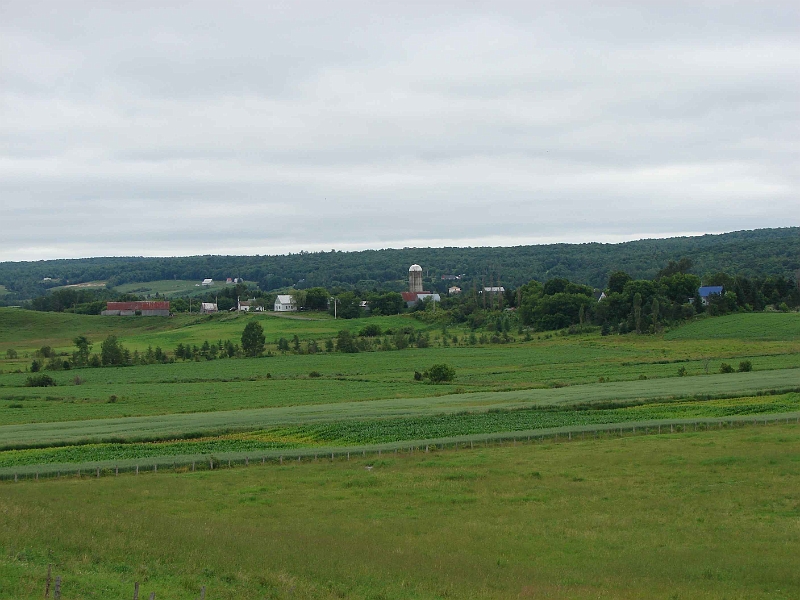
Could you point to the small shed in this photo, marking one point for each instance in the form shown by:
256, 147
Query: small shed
207, 282
208, 307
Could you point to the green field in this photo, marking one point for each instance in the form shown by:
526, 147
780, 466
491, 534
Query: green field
706, 515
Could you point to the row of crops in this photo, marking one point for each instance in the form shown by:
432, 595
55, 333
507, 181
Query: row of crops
381, 431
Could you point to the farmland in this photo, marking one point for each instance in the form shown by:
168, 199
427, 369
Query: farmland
624, 518
299, 404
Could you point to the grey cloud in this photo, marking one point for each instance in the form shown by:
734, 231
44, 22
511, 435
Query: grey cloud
205, 128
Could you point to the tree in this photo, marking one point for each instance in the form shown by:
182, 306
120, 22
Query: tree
637, 311
345, 342
83, 347
253, 339
317, 298
111, 352
617, 281
655, 308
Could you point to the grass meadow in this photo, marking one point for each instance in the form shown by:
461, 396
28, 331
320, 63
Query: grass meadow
707, 515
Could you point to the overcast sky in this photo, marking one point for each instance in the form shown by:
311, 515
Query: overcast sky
136, 128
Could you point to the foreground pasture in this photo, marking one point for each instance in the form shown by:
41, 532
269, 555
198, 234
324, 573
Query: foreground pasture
707, 515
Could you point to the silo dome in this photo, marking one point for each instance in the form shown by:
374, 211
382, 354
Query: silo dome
415, 268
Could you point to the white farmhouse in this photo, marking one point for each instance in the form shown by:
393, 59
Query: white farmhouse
285, 303
207, 282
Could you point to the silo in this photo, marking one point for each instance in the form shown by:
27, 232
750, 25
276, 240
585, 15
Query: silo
415, 279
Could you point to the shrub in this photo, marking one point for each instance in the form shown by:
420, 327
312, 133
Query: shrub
112, 399
440, 373
36, 366
371, 330
40, 381
417, 376
315, 374
745, 366
682, 372
725, 368
11, 353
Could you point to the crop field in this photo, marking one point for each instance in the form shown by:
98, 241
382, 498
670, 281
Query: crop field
749, 326
209, 398
168, 288
706, 515
378, 431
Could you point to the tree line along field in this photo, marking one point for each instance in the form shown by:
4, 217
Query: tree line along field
706, 515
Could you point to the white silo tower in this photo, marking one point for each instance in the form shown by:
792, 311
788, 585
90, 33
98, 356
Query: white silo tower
415, 279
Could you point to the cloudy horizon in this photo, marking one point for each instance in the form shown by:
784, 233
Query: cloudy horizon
244, 128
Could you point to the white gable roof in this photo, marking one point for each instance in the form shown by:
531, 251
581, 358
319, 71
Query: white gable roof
285, 299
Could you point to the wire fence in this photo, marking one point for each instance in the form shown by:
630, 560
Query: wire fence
209, 462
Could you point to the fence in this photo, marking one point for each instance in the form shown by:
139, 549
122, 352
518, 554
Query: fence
191, 463
56, 585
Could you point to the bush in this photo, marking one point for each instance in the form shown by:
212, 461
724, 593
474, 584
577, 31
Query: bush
315, 374
682, 372
371, 330
11, 353
440, 373
745, 366
40, 381
725, 368
36, 366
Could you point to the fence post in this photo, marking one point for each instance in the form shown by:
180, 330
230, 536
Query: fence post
137, 469
152, 596
116, 471
192, 465
135, 590
47, 581
280, 459
15, 478
210, 464
57, 589
246, 461
203, 593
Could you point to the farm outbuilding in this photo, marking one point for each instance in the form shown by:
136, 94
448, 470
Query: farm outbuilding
149, 308
208, 307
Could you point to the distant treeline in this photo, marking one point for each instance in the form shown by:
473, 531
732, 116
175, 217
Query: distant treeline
758, 253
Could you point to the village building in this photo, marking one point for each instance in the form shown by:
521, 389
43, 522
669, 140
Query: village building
207, 282
452, 291
285, 303
208, 307
706, 291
